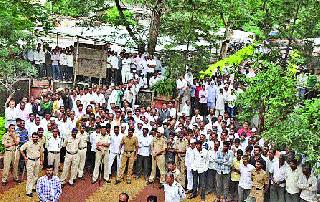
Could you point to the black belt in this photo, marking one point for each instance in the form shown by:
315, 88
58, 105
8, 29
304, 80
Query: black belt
128, 151
34, 159
9, 150
83, 148
72, 153
54, 152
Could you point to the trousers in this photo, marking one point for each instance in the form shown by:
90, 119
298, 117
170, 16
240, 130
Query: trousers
277, 193
189, 179
7, 160
71, 163
82, 161
143, 166
126, 157
211, 179
54, 159
33, 168
199, 180
101, 157
158, 161
181, 165
112, 156
223, 185
243, 193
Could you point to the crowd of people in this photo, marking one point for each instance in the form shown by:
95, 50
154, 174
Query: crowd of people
57, 63
198, 146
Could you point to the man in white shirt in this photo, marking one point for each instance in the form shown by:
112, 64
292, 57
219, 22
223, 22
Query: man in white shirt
125, 71
55, 57
200, 164
173, 191
144, 148
308, 185
182, 84
189, 158
11, 112
69, 64
220, 104
292, 175
245, 182
277, 175
231, 101
115, 152
212, 167
54, 146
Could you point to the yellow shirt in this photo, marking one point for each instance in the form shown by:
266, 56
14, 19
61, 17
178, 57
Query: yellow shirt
235, 176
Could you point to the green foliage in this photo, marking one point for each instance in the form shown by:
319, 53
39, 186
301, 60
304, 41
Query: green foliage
17, 21
300, 130
232, 60
75, 8
271, 94
112, 16
165, 87
2, 132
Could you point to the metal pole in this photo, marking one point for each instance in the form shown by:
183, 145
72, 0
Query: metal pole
75, 69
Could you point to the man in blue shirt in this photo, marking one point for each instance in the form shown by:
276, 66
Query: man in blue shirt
49, 186
22, 132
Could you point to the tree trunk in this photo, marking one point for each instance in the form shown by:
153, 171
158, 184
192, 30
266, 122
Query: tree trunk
227, 34
225, 43
261, 118
138, 41
154, 27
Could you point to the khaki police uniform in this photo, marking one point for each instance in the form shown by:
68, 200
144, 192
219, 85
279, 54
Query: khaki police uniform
82, 152
71, 159
181, 148
10, 154
158, 148
259, 180
34, 154
130, 148
102, 156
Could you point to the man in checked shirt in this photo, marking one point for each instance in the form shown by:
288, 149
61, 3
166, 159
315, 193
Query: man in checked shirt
49, 186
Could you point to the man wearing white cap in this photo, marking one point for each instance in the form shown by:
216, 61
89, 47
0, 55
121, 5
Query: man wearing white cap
158, 149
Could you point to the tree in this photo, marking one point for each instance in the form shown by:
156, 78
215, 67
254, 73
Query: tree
299, 131
271, 94
17, 22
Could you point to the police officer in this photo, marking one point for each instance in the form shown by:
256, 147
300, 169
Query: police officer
102, 155
10, 140
158, 149
82, 153
260, 182
72, 146
33, 156
181, 148
130, 144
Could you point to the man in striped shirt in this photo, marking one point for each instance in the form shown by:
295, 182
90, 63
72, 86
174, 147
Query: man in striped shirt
49, 186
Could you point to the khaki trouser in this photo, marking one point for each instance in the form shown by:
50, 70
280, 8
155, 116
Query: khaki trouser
16, 163
82, 161
256, 195
160, 162
33, 168
70, 160
181, 165
101, 157
7, 160
127, 156
54, 159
